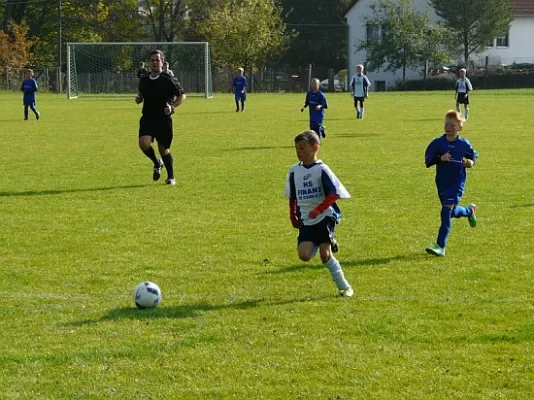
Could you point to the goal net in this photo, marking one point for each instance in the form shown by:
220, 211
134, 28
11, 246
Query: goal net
111, 68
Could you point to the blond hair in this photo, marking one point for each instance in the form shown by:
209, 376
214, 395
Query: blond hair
456, 116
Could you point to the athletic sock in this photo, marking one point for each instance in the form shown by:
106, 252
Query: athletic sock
152, 155
361, 112
466, 112
168, 161
445, 228
459, 212
337, 273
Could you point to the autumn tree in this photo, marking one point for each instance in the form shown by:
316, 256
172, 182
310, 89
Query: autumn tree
15, 47
244, 32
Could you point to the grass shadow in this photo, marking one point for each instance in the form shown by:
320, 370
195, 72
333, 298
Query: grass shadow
186, 310
522, 205
352, 263
62, 191
260, 148
349, 135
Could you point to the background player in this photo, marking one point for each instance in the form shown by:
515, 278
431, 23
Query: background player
451, 155
29, 87
239, 86
316, 100
461, 94
359, 87
160, 94
312, 189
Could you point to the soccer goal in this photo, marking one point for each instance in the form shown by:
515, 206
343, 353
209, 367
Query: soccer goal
111, 68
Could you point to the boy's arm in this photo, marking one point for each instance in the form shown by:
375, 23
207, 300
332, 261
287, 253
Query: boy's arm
293, 213
324, 103
324, 205
469, 86
431, 155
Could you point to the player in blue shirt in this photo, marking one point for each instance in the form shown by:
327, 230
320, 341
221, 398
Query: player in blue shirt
316, 100
29, 87
239, 86
452, 155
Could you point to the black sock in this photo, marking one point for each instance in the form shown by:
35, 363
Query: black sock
168, 161
152, 155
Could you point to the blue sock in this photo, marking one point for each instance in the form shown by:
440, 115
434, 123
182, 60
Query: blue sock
459, 212
445, 228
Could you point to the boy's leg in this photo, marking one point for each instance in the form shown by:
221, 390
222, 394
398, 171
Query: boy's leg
306, 250
445, 228
361, 109
466, 111
457, 107
34, 109
25, 111
334, 267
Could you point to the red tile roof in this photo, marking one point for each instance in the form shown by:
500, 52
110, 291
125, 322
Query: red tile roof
519, 7
523, 7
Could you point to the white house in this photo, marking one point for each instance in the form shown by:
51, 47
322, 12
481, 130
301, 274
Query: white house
517, 46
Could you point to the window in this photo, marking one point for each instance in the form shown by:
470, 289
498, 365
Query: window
373, 33
502, 41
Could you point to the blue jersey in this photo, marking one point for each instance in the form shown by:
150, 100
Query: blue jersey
314, 99
239, 84
29, 87
450, 175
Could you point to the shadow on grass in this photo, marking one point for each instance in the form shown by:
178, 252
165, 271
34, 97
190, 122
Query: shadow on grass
353, 263
61, 191
186, 310
522, 205
260, 148
349, 135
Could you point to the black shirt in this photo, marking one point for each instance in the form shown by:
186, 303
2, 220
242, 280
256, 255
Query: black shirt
157, 93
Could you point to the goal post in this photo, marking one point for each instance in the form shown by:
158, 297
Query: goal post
111, 67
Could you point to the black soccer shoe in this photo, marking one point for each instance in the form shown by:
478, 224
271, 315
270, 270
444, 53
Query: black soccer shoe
157, 171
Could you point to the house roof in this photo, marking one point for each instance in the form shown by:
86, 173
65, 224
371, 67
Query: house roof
519, 7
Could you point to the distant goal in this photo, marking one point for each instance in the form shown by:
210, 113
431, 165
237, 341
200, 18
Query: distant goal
111, 68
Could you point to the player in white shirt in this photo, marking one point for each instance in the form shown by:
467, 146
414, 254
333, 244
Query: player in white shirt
312, 189
461, 94
359, 87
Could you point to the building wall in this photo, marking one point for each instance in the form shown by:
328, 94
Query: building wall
520, 49
520, 44
357, 33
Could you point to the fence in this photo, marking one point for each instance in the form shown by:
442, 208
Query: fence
47, 78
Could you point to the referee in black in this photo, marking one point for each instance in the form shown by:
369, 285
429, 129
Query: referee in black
160, 95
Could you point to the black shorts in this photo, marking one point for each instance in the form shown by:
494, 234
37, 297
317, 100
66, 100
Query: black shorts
159, 128
323, 232
358, 99
462, 98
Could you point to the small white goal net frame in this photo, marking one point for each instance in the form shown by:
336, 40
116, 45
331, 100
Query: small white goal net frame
111, 67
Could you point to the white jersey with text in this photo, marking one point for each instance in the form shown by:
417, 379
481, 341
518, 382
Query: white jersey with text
359, 85
463, 85
309, 185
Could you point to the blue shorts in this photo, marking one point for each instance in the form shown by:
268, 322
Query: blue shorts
322, 232
450, 197
241, 96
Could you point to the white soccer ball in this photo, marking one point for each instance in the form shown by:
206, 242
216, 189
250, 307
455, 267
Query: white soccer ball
147, 295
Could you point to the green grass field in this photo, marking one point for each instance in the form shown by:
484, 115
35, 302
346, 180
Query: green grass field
242, 318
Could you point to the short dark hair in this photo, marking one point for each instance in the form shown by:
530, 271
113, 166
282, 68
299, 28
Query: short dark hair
309, 136
162, 56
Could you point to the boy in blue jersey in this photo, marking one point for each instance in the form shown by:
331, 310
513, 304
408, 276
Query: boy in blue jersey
29, 87
313, 189
316, 100
461, 94
359, 87
239, 86
451, 155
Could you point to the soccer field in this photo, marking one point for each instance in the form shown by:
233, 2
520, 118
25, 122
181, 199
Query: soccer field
242, 318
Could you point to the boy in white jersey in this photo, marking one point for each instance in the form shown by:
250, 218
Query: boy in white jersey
359, 87
463, 87
312, 189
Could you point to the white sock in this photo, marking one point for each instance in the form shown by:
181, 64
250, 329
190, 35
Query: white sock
337, 273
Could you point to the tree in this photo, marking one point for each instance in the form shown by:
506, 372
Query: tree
14, 47
244, 32
321, 33
474, 23
165, 17
401, 37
